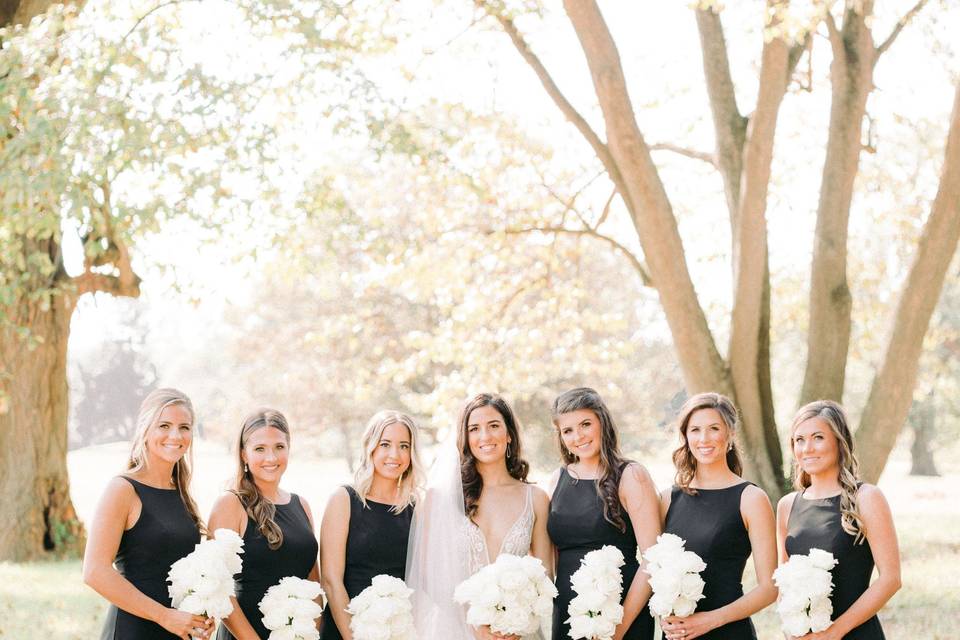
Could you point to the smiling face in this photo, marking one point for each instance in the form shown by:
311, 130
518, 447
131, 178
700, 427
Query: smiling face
391, 454
708, 436
169, 438
580, 432
815, 447
487, 435
266, 452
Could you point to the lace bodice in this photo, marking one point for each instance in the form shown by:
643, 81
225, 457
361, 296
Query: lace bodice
516, 541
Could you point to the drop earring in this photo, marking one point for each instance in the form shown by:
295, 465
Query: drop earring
246, 469
508, 449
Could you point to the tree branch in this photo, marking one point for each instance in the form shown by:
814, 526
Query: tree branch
703, 156
901, 23
635, 262
892, 390
729, 126
566, 108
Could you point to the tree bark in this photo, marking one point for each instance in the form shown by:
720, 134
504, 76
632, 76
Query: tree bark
923, 420
892, 390
828, 336
34, 489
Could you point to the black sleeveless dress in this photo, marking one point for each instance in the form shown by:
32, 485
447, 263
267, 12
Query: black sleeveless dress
711, 524
263, 567
815, 524
376, 544
576, 526
162, 534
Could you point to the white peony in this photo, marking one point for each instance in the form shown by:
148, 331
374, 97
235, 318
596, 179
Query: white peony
674, 577
202, 582
596, 611
805, 584
290, 610
382, 611
511, 596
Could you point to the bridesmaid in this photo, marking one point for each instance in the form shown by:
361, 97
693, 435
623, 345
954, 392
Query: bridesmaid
832, 510
366, 525
723, 519
146, 521
599, 498
276, 525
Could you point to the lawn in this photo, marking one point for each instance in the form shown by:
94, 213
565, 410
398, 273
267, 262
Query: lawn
48, 599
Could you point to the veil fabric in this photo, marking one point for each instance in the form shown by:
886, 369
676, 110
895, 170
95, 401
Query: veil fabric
437, 552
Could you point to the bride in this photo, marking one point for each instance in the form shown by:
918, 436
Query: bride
478, 505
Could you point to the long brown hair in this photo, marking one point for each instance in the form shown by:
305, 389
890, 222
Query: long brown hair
258, 508
612, 462
683, 458
147, 416
849, 476
517, 467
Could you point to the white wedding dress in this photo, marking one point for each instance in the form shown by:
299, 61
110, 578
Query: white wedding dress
516, 542
445, 548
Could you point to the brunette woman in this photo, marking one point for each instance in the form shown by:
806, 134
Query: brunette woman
146, 521
365, 526
834, 511
276, 525
723, 519
599, 498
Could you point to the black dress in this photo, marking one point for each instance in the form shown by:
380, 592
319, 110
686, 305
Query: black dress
162, 534
263, 567
577, 526
711, 524
815, 524
376, 544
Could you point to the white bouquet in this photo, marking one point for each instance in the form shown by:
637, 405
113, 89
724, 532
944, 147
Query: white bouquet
674, 577
511, 595
596, 611
201, 583
805, 586
289, 610
382, 611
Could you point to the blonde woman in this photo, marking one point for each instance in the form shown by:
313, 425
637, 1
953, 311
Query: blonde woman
723, 518
276, 525
365, 526
832, 510
146, 521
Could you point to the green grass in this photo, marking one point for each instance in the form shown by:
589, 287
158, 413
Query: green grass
48, 599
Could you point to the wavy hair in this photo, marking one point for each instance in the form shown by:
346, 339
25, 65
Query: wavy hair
517, 467
411, 482
612, 462
258, 508
147, 416
683, 458
835, 417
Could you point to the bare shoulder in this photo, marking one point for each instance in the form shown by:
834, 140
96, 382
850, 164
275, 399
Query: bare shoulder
754, 497
119, 488
304, 504
785, 504
553, 481
339, 502
228, 504
869, 496
636, 477
541, 501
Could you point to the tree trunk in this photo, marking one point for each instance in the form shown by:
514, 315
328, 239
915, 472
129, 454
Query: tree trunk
923, 421
892, 390
36, 509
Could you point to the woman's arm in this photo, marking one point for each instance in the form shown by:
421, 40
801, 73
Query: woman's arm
638, 495
757, 514
783, 518
333, 558
540, 545
228, 513
882, 538
118, 510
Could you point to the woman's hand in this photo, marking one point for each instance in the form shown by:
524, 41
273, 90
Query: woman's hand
830, 633
183, 624
485, 633
692, 626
